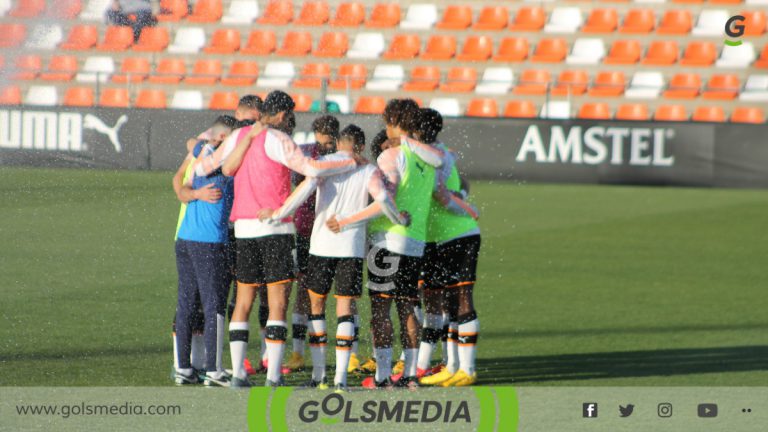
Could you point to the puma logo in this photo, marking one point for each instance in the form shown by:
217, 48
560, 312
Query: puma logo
92, 122
420, 167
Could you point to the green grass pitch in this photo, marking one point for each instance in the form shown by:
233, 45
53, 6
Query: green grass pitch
578, 285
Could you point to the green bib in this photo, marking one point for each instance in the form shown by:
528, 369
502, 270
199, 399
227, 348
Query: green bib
444, 225
183, 209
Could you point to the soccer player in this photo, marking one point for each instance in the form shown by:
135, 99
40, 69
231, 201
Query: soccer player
202, 263
248, 110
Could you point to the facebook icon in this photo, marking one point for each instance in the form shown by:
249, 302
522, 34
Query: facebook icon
589, 410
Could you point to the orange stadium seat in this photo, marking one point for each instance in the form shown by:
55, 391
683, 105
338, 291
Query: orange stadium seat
624, 52
762, 61
27, 9
349, 15
224, 101
169, 71
206, 11
241, 73
79, 97
423, 78
456, 17
277, 12
661, 53
12, 35
153, 39
512, 49
27, 66
303, 102
699, 53
492, 18
722, 86
260, 42
205, 72
529, 18
571, 82
520, 109
224, 41
314, 13
296, 44
66, 9
550, 51
633, 111
476, 48
532, 82
172, 10
675, 22
403, 47
151, 98
114, 97
748, 115
440, 47
594, 111
60, 68
485, 107
370, 105
81, 37
117, 38
638, 21
384, 15
683, 86
708, 114
670, 113
10, 95
332, 44
459, 80
726, 1
688, 1
754, 23
608, 84
312, 75
133, 70
601, 21
349, 75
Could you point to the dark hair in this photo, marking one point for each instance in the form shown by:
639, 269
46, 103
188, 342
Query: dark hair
288, 124
402, 113
244, 123
326, 125
226, 121
277, 101
355, 134
429, 125
376, 143
250, 101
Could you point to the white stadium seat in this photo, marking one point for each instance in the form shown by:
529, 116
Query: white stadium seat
711, 22
95, 10
645, 85
496, 80
100, 67
564, 20
755, 89
5, 6
341, 100
448, 107
757, 2
586, 51
737, 57
187, 99
556, 110
188, 40
367, 46
277, 75
45, 37
42, 95
386, 77
420, 16
650, 1
241, 12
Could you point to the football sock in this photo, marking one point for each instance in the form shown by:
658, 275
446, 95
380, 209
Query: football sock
444, 339
469, 327
238, 345
452, 362
318, 341
430, 334
383, 363
411, 355
357, 334
345, 335
275, 335
299, 332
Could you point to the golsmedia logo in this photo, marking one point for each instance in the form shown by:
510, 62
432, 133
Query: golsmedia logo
734, 28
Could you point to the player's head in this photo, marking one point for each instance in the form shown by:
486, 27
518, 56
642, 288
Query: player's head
248, 108
326, 130
377, 142
221, 128
352, 138
429, 125
400, 116
288, 124
275, 107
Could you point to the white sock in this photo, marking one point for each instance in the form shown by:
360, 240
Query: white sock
468, 348
345, 333
383, 363
411, 354
429, 337
419, 312
299, 320
318, 344
175, 351
185, 371
357, 334
444, 339
275, 350
263, 349
219, 342
402, 356
197, 356
238, 345
452, 363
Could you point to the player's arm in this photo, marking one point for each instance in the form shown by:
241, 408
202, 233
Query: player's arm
185, 193
302, 192
210, 162
383, 204
429, 154
452, 202
281, 149
391, 163
232, 163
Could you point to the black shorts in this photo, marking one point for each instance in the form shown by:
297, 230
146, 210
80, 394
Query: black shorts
265, 260
348, 273
451, 264
392, 274
302, 253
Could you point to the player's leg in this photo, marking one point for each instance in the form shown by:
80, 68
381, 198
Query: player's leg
300, 306
349, 286
263, 317
354, 361
197, 355
406, 294
382, 333
319, 281
184, 309
278, 274
433, 304
250, 278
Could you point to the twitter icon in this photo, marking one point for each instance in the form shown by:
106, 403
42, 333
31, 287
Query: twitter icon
627, 410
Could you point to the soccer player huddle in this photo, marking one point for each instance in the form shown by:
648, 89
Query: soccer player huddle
256, 207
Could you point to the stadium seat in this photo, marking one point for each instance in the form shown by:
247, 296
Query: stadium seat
188, 40
44, 37
571, 82
349, 76
683, 86
403, 47
5, 6
205, 72
94, 10
386, 77
624, 52
677, 22
662, 53
755, 89
762, 62
384, 15
276, 75
10, 95
754, 22
260, 42
737, 57
370, 105
65, 9
12, 34
26, 67
439, 47
601, 21
482, 108
520, 109
206, 11
332, 44
532, 82
460, 80
722, 86
708, 114
423, 78
512, 49
492, 18
114, 97
456, 17
151, 98
349, 15
223, 101
41, 96
224, 41
748, 115
711, 22
476, 48
638, 21
529, 18
633, 112
117, 38
96, 68
314, 13
586, 51
420, 16
172, 10
153, 39
670, 113
556, 110
241, 73
312, 75
78, 97
550, 51
132, 70
303, 102
187, 100
60, 68
341, 100
496, 80
608, 84
594, 111
448, 107
645, 85
27, 9
564, 20
82, 37
241, 12
169, 71
367, 46
296, 44
699, 53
